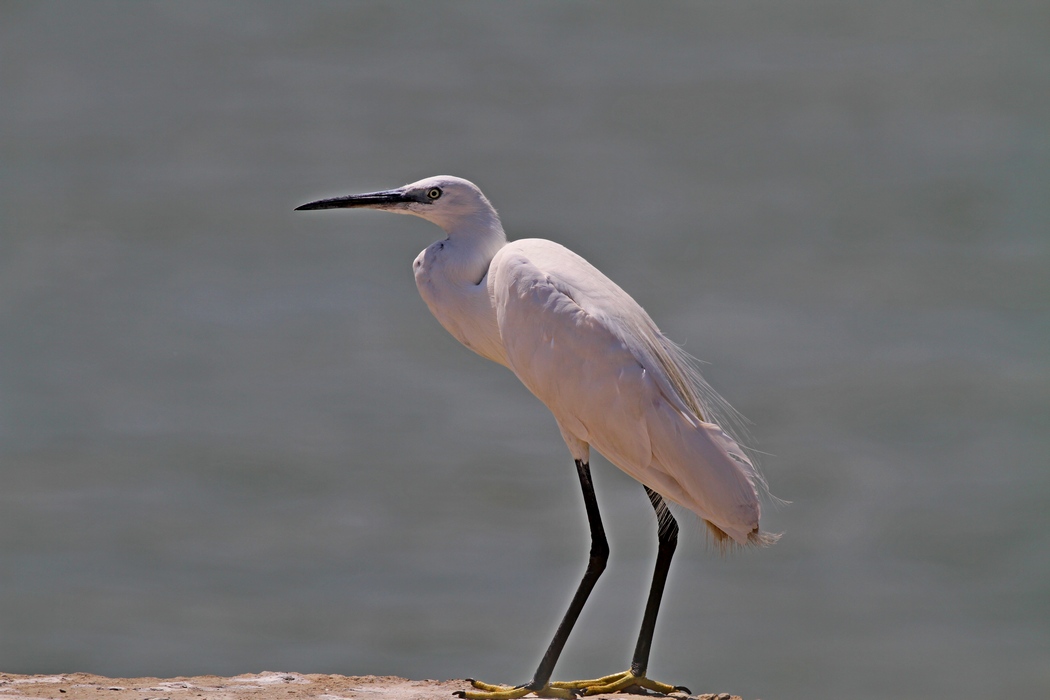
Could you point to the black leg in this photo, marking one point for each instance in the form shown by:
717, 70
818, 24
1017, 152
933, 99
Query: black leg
595, 566
668, 538
541, 681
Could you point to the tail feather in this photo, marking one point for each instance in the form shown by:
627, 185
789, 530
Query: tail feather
707, 413
725, 543
705, 470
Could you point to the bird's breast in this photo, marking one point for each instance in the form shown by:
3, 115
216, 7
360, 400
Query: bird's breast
462, 307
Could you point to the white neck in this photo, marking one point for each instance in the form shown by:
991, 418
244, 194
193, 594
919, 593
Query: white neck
473, 241
451, 277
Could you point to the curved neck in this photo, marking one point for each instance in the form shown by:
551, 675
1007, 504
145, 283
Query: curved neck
476, 238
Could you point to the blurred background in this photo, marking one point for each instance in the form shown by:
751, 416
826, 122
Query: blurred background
233, 439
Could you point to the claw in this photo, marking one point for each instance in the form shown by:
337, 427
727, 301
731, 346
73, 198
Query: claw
616, 682
488, 691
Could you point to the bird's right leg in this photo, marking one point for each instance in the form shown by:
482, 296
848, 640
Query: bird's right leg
540, 683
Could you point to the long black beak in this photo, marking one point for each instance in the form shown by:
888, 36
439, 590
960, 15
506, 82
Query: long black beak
372, 199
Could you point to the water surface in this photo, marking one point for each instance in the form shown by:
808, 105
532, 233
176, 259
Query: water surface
233, 439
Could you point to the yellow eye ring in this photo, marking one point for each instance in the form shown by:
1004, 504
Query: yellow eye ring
433, 193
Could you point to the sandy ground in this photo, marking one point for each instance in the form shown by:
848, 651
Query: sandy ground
256, 686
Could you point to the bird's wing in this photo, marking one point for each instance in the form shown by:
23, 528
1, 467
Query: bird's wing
569, 359
580, 344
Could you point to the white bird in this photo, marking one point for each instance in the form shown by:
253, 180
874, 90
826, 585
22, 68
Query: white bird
613, 381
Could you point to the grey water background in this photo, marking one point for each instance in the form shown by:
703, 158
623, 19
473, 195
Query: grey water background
233, 439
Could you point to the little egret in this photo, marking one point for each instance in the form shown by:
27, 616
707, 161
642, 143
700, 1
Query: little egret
613, 381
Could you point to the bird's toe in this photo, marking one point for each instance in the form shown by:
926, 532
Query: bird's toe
619, 682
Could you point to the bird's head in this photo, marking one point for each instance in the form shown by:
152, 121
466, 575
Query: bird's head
450, 202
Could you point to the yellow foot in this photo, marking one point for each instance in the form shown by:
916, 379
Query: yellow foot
617, 682
487, 691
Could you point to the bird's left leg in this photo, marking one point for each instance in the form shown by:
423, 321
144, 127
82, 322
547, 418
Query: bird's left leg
540, 684
668, 540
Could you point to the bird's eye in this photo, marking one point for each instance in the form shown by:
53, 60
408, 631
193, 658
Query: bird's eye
433, 193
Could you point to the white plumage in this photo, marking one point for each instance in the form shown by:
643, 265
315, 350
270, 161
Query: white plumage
588, 351
591, 354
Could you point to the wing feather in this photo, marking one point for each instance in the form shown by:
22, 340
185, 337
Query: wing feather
595, 358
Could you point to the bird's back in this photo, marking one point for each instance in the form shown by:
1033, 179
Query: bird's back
586, 349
